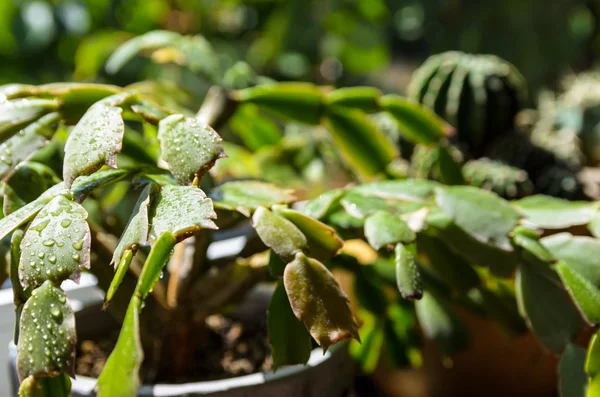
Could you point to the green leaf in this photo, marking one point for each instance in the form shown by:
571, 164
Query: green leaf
594, 225
418, 124
408, 277
585, 295
278, 233
578, 252
29, 181
414, 190
592, 366
383, 228
367, 352
95, 140
26, 143
254, 129
361, 206
84, 185
53, 386
547, 212
449, 168
247, 196
151, 40
56, 245
46, 334
17, 113
200, 56
363, 98
480, 213
572, 377
323, 242
296, 101
157, 259
439, 324
119, 378
136, 231
322, 205
290, 341
466, 246
23, 214
554, 319
317, 300
361, 145
181, 211
189, 146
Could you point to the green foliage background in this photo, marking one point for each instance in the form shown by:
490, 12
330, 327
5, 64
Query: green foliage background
324, 41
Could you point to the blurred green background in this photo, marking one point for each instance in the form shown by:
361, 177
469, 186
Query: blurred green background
339, 42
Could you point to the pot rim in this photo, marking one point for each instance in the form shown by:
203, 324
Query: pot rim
85, 384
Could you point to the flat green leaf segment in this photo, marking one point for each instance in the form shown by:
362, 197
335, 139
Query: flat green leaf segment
317, 300
408, 278
84, 185
95, 140
56, 245
418, 124
19, 112
136, 231
279, 234
383, 228
26, 142
120, 375
480, 213
189, 146
148, 41
23, 214
585, 294
572, 377
290, 341
323, 242
47, 334
181, 211
362, 146
246, 196
553, 213
580, 253
554, 319
296, 101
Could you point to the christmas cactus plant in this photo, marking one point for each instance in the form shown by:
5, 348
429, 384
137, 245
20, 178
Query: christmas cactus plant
54, 228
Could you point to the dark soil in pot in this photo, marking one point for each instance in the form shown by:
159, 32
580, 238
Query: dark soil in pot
235, 348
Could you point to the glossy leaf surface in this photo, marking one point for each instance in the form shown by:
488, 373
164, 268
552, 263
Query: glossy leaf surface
317, 300
56, 245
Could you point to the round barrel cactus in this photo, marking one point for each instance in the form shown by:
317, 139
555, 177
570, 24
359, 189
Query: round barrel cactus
478, 94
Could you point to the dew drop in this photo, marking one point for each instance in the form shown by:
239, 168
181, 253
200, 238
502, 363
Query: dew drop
49, 242
78, 245
65, 223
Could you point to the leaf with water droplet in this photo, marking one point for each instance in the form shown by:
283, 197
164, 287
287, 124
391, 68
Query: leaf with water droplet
26, 143
189, 146
246, 196
84, 185
46, 334
23, 214
408, 277
181, 211
96, 139
18, 113
70, 252
136, 231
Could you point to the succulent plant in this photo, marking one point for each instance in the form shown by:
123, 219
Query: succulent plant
445, 247
567, 124
478, 94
